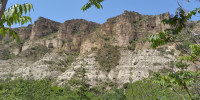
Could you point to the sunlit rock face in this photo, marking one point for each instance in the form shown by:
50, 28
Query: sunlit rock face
81, 35
133, 66
55, 41
43, 27
74, 32
132, 25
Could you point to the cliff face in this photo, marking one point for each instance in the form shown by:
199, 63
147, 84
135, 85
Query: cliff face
43, 27
81, 35
78, 26
132, 25
120, 30
24, 32
73, 32
50, 49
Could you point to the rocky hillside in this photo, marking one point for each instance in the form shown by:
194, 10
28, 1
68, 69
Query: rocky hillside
115, 52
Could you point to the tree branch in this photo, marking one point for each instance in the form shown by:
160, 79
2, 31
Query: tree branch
178, 93
2, 7
189, 54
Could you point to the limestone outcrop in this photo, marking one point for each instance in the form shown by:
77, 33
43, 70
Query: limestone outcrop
73, 32
43, 27
56, 50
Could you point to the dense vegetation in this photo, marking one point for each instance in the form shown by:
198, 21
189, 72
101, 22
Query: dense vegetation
66, 63
43, 90
34, 53
5, 54
108, 57
131, 45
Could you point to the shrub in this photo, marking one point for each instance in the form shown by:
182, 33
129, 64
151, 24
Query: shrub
157, 64
71, 57
34, 52
184, 46
93, 48
26, 89
147, 90
108, 57
132, 45
43, 90
7, 41
106, 37
115, 94
5, 54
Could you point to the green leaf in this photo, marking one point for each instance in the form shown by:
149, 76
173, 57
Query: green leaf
14, 15
96, 3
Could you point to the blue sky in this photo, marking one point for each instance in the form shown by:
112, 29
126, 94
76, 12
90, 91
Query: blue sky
62, 10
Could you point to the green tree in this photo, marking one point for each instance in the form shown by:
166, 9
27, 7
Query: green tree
15, 14
83, 89
96, 3
181, 77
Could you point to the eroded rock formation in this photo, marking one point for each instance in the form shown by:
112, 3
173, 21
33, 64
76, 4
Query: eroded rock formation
57, 41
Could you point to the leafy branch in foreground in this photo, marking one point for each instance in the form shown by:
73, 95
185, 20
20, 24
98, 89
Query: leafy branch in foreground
96, 3
180, 76
177, 23
186, 80
14, 15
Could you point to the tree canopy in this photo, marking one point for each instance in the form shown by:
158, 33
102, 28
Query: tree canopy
15, 14
183, 77
96, 3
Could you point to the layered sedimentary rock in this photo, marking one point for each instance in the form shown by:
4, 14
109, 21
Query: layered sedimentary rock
130, 29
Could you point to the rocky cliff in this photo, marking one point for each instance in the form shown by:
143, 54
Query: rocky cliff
43, 27
115, 52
